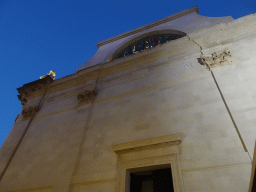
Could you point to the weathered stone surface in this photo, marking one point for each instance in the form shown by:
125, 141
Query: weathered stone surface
28, 89
87, 96
162, 92
28, 112
217, 59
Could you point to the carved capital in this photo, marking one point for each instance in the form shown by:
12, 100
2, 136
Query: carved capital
217, 59
87, 96
29, 111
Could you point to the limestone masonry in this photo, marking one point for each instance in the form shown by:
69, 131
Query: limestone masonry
177, 94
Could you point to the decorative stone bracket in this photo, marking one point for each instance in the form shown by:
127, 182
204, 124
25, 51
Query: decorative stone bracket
87, 96
29, 111
217, 59
28, 89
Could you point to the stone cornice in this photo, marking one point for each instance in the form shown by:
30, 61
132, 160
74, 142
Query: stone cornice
174, 139
108, 69
148, 26
119, 66
28, 89
74, 93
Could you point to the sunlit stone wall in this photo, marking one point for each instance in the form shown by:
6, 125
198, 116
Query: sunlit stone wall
167, 91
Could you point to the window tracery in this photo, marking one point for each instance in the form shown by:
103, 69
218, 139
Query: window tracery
147, 43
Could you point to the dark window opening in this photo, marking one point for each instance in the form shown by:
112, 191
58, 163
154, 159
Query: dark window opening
159, 180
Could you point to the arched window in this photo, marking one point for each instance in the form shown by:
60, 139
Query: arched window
148, 43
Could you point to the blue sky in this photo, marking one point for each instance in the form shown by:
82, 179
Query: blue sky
39, 35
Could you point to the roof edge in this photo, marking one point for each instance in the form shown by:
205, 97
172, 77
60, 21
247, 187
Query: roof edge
148, 26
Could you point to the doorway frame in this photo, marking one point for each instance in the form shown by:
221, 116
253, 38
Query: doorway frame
146, 155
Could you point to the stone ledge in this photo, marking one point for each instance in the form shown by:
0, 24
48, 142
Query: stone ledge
121, 95
28, 89
174, 138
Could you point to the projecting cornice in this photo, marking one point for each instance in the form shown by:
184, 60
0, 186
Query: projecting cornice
174, 139
28, 89
174, 51
148, 26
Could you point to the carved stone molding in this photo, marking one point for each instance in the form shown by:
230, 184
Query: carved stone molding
149, 154
217, 59
28, 89
157, 142
87, 96
28, 112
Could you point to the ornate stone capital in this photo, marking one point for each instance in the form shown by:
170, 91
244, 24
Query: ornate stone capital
217, 59
87, 96
28, 89
28, 112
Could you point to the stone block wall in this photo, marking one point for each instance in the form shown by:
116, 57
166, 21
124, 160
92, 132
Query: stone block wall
68, 144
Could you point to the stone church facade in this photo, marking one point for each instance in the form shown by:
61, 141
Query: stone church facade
177, 94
